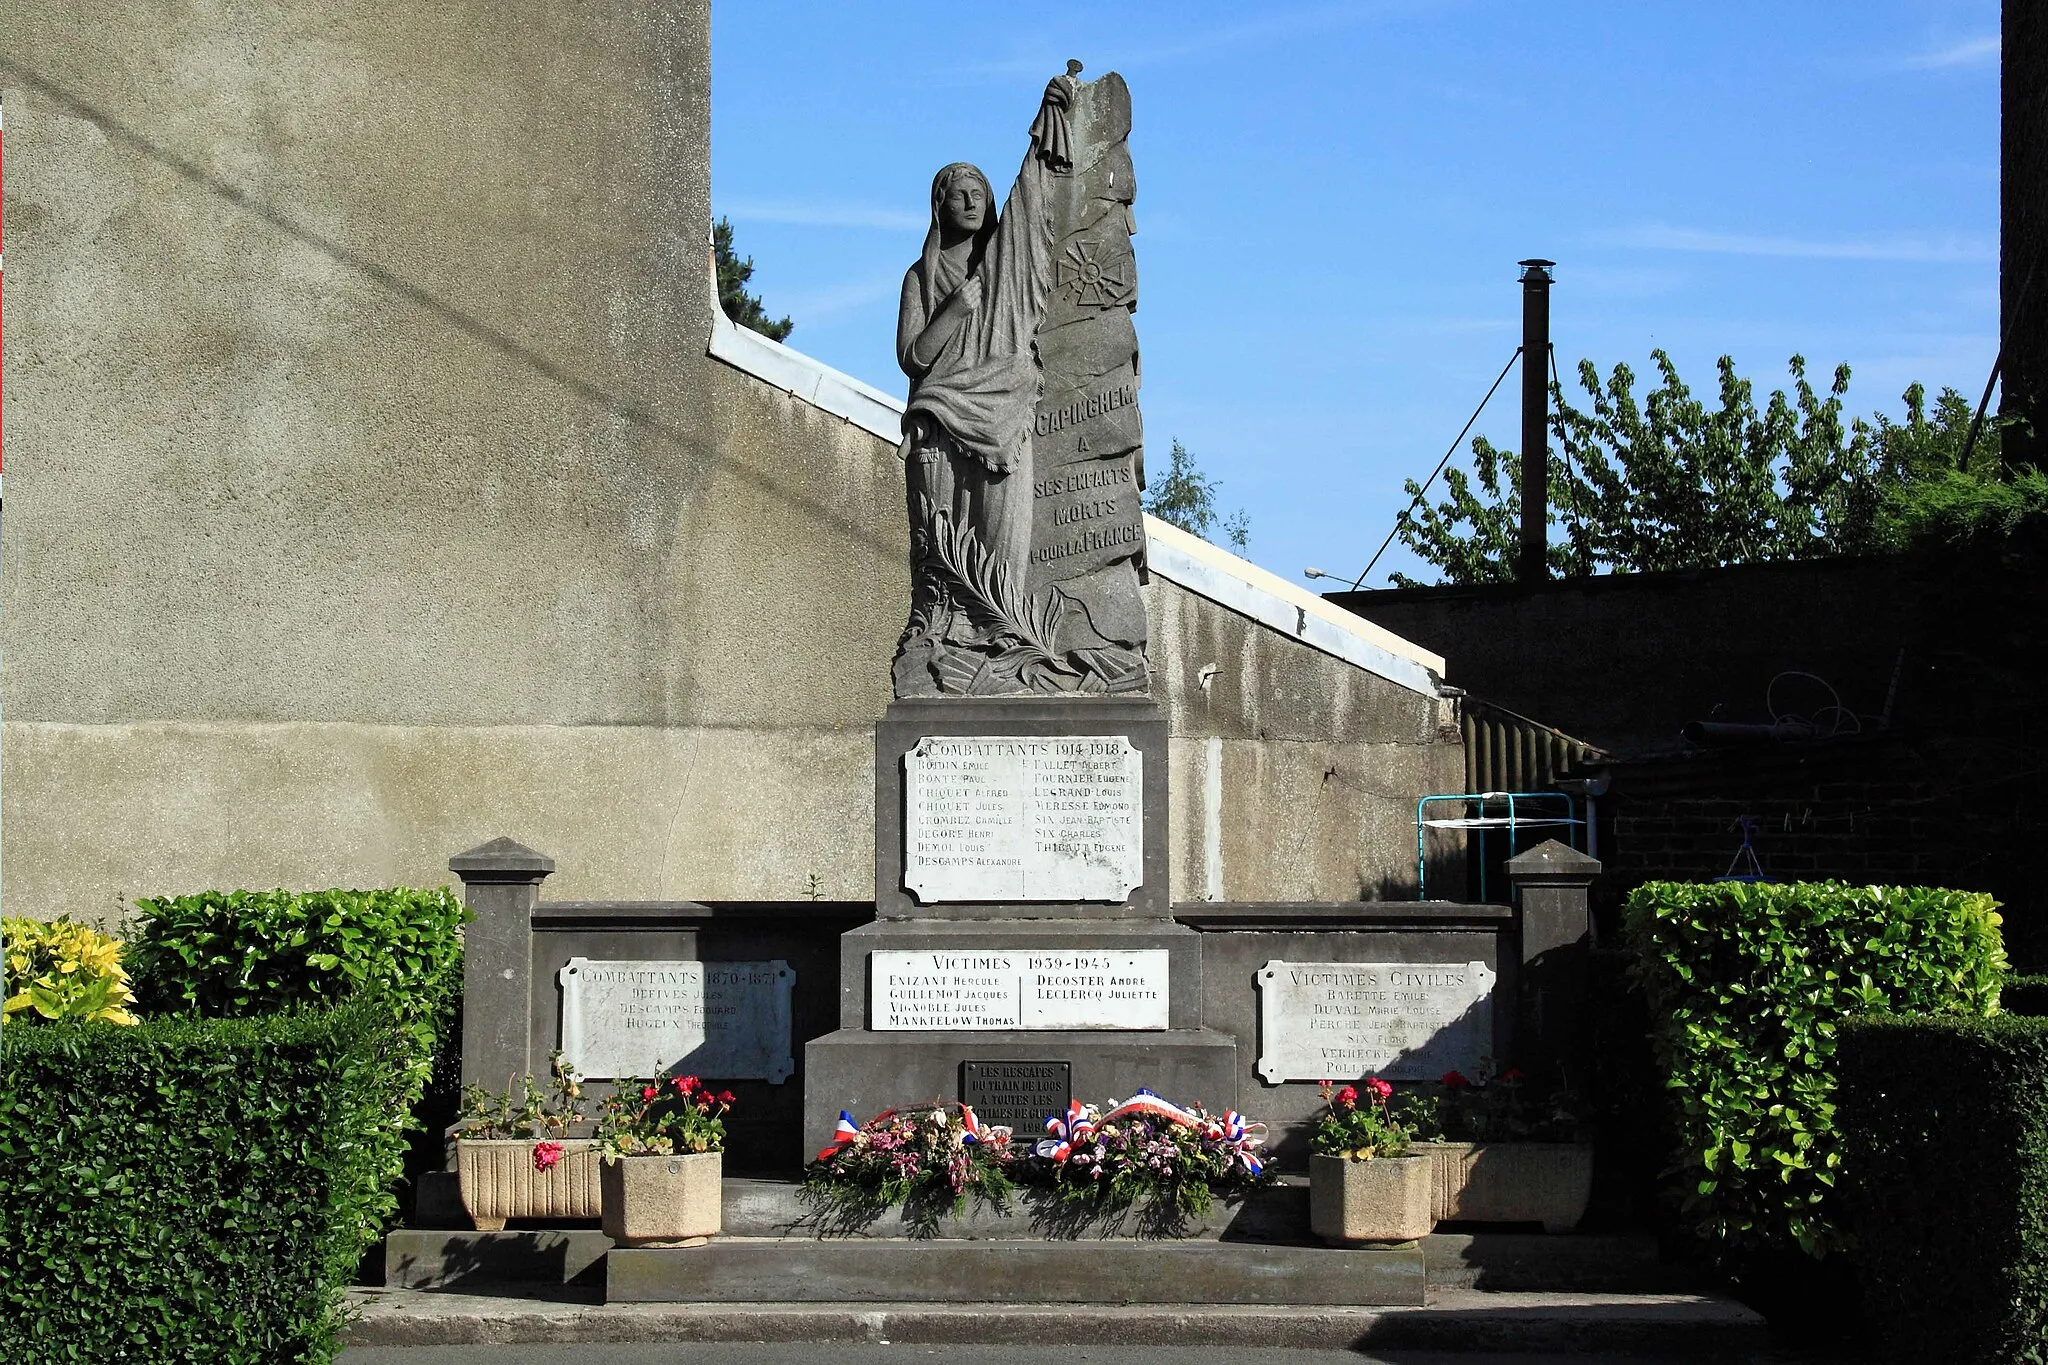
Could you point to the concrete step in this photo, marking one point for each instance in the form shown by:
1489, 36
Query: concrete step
417, 1258
884, 1270
1664, 1327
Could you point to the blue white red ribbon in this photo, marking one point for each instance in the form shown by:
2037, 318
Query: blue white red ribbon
1066, 1130
1151, 1106
843, 1134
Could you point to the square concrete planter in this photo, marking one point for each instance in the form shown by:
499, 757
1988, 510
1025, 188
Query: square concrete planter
1509, 1182
663, 1200
1382, 1200
498, 1181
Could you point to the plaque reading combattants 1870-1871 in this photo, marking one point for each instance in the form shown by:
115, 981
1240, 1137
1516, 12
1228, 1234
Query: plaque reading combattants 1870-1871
1081, 988
1058, 818
1401, 1021
723, 1020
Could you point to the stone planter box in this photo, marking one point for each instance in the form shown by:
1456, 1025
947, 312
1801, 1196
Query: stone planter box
498, 1181
1509, 1182
1383, 1200
663, 1200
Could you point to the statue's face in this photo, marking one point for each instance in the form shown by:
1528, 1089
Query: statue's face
965, 205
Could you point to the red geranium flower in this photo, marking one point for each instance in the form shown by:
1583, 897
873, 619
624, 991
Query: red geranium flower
648, 1092
546, 1154
687, 1084
1348, 1095
1454, 1080
1512, 1074
725, 1097
1379, 1088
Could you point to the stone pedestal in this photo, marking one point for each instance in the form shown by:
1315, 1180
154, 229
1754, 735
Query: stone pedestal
1063, 799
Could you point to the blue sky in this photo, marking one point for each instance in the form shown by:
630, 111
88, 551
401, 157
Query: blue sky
1332, 199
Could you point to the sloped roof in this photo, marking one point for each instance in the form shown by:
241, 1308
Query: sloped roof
1188, 561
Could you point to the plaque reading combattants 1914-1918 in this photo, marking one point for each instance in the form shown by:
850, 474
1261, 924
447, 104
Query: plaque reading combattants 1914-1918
1401, 1021
725, 1020
1083, 988
1058, 818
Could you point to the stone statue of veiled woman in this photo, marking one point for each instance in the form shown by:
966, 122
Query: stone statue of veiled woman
971, 304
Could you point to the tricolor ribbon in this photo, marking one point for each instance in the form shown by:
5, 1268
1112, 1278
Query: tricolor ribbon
1066, 1130
843, 1134
1150, 1105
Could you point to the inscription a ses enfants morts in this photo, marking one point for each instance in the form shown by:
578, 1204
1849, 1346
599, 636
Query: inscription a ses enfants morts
1016, 989
1401, 1021
1059, 818
721, 1020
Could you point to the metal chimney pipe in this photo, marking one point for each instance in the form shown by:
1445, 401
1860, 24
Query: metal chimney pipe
1532, 565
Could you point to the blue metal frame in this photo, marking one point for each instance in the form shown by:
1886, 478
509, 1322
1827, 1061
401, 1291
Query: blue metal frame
1510, 822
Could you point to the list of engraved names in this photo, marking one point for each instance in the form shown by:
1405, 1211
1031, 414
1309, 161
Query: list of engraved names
1402, 1021
1058, 818
1019, 989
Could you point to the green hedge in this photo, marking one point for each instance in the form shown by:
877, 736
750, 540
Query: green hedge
2024, 995
233, 954
1945, 1127
1747, 984
193, 1190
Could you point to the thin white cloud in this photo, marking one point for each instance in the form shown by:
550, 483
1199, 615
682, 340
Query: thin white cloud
834, 299
1979, 51
823, 215
1950, 249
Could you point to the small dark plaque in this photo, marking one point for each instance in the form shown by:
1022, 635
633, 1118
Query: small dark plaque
1019, 1095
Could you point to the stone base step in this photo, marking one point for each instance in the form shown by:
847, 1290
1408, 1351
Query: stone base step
879, 1270
1663, 1327
1579, 1263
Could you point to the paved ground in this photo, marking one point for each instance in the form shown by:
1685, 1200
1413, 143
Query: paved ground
732, 1353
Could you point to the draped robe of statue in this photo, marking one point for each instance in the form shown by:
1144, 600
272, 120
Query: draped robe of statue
979, 623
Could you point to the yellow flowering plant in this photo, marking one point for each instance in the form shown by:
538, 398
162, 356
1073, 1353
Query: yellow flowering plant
60, 970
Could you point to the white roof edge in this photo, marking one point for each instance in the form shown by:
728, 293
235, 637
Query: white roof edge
1189, 561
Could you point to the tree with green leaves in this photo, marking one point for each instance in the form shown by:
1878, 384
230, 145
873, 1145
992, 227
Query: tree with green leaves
1670, 481
734, 271
1187, 498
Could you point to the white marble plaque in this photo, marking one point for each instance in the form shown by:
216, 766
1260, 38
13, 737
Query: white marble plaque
721, 1020
1078, 988
1059, 818
1401, 1021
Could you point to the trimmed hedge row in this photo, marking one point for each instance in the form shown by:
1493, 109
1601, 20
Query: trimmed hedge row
233, 954
1945, 1127
1747, 985
194, 1190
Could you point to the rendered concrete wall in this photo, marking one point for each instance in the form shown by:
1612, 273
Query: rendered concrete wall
375, 495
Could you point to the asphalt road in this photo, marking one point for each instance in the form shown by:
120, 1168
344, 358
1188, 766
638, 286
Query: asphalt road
751, 1353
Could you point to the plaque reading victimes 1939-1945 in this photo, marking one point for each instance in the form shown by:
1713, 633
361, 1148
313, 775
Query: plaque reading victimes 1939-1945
1401, 1021
1058, 818
1079, 988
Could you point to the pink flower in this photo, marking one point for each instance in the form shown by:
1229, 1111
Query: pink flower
1348, 1096
687, 1084
546, 1154
1379, 1089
